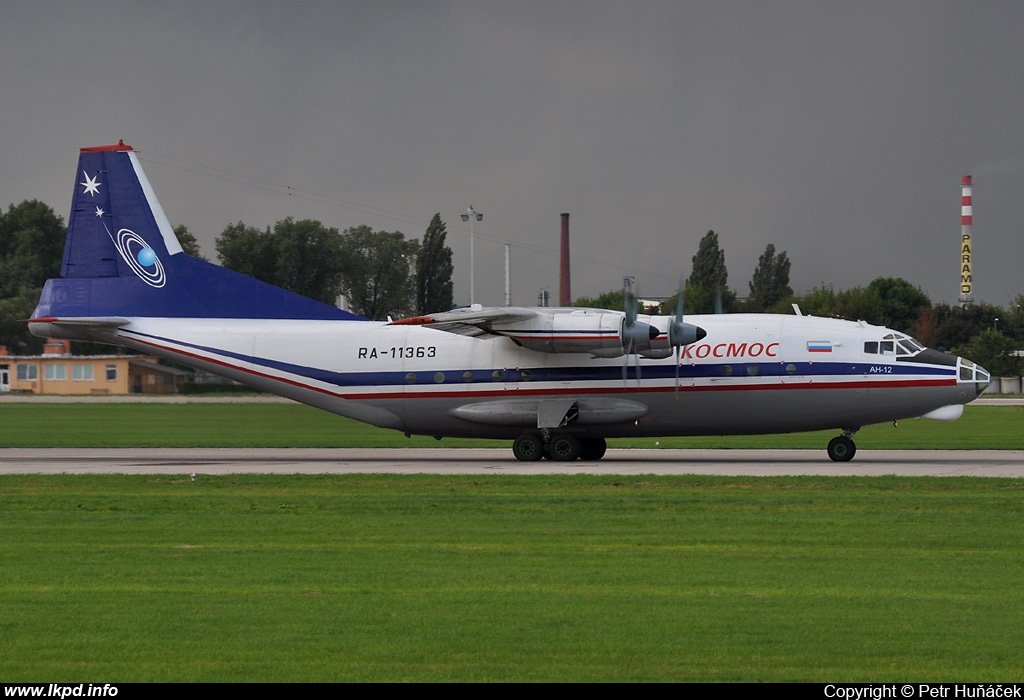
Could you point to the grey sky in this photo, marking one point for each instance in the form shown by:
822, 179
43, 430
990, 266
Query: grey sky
838, 131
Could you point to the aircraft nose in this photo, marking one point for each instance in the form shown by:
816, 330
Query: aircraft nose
976, 374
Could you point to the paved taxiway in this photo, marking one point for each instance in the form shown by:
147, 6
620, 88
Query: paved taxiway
991, 463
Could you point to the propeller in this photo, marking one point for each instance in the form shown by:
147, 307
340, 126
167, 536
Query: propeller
676, 331
680, 334
635, 335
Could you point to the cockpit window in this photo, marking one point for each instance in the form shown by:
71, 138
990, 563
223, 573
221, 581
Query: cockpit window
909, 346
902, 345
871, 347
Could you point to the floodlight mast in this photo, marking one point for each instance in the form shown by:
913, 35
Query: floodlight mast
471, 215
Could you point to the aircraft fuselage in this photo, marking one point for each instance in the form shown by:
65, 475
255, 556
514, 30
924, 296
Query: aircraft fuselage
751, 374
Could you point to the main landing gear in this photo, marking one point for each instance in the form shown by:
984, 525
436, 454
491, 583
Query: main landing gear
561, 447
841, 448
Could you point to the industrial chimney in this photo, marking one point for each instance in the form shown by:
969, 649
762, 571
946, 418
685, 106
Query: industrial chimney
564, 295
966, 216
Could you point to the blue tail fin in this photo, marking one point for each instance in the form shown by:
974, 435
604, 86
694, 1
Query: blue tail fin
121, 258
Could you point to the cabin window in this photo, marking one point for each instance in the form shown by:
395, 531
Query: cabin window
790, 368
410, 378
753, 370
439, 377
871, 347
726, 370
527, 375
467, 376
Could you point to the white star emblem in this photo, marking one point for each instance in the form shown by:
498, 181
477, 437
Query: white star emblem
99, 212
91, 185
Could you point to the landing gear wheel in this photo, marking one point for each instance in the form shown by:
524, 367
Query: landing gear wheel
593, 449
528, 448
564, 448
841, 449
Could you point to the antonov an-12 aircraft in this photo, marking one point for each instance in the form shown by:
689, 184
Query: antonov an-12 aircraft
556, 381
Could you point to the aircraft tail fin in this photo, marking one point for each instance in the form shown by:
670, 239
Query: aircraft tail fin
122, 259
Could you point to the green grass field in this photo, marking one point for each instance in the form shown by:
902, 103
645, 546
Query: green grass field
293, 425
116, 578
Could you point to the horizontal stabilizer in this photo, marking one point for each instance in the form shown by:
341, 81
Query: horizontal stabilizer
106, 322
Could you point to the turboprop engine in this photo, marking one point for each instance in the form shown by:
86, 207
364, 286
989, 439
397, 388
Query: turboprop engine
601, 333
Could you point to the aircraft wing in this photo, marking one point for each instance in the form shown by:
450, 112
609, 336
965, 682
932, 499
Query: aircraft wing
475, 320
599, 332
459, 328
103, 322
75, 327
543, 329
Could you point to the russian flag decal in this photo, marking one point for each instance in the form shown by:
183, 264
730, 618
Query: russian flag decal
819, 346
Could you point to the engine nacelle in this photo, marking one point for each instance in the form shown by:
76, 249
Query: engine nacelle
599, 333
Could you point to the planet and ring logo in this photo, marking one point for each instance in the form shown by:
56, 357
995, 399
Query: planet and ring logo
140, 257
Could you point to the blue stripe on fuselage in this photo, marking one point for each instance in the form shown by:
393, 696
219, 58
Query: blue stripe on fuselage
605, 373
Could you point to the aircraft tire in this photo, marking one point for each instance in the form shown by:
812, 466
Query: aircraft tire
565, 448
528, 448
593, 449
841, 449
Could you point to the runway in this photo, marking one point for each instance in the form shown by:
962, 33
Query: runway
980, 463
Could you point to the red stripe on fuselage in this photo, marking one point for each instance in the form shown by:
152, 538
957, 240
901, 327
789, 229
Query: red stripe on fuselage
410, 393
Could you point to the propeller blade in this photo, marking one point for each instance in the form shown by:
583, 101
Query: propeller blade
629, 301
680, 334
625, 359
678, 322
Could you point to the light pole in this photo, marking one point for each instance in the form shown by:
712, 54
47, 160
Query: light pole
471, 215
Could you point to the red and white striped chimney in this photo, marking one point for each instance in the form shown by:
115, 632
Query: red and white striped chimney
564, 295
966, 224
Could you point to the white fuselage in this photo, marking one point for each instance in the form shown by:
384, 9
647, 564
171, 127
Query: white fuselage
752, 373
